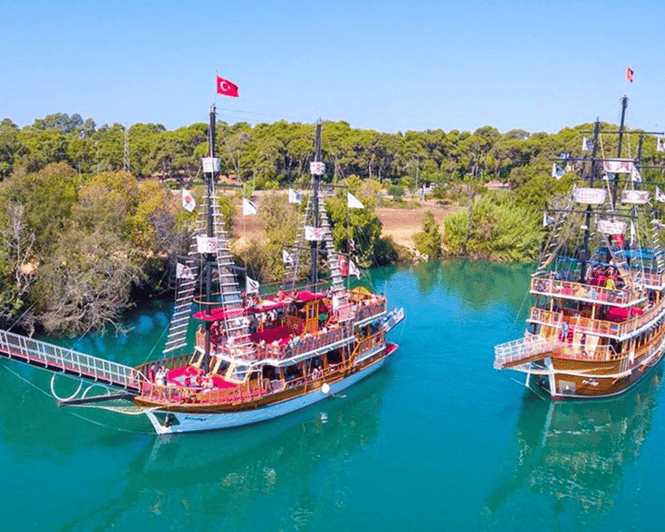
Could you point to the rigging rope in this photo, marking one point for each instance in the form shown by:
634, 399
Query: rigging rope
73, 413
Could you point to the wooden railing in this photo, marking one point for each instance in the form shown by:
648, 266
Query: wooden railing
568, 289
371, 309
597, 327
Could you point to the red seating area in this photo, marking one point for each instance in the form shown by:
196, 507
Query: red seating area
185, 377
280, 334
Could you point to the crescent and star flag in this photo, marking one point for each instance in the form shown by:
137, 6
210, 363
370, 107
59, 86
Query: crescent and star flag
188, 202
226, 88
630, 74
342, 265
248, 207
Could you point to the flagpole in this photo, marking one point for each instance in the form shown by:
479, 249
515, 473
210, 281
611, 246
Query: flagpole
314, 245
209, 258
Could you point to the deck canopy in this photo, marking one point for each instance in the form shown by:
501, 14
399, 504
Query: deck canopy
265, 305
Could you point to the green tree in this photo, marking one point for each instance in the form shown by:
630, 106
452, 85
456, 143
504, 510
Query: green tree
428, 241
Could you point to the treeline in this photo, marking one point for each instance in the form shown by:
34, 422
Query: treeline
88, 218
271, 155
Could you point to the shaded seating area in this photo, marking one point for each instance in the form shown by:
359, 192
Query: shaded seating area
279, 334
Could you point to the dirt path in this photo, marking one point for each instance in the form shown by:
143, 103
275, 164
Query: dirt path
399, 223
402, 224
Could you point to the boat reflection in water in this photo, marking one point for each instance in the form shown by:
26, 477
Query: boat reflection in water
576, 452
213, 480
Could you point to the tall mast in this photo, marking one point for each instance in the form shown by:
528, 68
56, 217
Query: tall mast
314, 245
209, 257
584, 255
624, 104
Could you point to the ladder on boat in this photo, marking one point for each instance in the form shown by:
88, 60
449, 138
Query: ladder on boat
186, 285
58, 359
657, 250
337, 283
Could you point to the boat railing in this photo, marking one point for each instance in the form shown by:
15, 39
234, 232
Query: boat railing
367, 344
61, 359
177, 395
395, 316
591, 293
595, 326
367, 310
522, 349
301, 345
651, 279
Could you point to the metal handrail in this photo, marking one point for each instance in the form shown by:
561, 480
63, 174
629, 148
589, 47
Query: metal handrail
61, 359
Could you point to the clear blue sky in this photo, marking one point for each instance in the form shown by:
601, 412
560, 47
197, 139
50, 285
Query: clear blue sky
384, 65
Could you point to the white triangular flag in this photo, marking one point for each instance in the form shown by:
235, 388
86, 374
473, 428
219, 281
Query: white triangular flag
354, 203
294, 196
251, 286
635, 173
587, 144
188, 202
547, 220
353, 269
660, 195
287, 258
248, 207
632, 233
557, 171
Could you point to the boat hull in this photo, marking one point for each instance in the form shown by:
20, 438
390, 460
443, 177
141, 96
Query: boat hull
195, 422
574, 379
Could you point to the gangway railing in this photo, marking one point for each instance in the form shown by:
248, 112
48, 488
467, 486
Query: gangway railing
63, 360
522, 349
393, 318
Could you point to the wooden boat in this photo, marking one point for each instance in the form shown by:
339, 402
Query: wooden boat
255, 356
596, 326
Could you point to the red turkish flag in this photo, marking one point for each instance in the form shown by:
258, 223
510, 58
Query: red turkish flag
225, 87
629, 74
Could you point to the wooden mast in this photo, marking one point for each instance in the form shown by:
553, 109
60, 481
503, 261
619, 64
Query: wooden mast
314, 244
210, 233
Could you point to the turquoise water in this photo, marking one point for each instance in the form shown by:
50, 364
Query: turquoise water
438, 440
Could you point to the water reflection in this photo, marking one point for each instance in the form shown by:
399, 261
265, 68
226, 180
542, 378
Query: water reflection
479, 284
195, 481
576, 452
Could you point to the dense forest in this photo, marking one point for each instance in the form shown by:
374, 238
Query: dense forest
91, 219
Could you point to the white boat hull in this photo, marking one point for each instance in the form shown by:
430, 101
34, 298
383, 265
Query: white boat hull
185, 422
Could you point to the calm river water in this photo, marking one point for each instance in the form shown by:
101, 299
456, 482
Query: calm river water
438, 440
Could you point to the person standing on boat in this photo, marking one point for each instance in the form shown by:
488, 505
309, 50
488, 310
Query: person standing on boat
564, 331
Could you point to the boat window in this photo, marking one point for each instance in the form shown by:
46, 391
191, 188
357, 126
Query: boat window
239, 373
